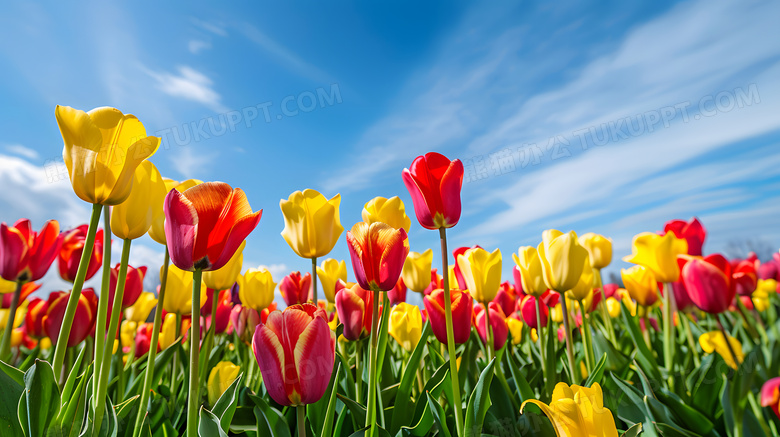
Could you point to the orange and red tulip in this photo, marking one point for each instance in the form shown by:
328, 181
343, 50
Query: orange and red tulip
354, 306
398, 293
378, 252
506, 298
71, 250
134, 285
497, 324
296, 288
33, 320
27, 289
224, 308
86, 312
434, 182
26, 255
462, 305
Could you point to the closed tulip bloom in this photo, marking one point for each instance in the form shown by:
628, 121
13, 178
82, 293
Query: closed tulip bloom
296, 288
220, 378
692, 232
563, 259
613, 307
378, 252
103, 148
506, 298
311, 223
516, 329
167, 331
390, 211
770, 395
709, 284
462, 306
86, 312
178, 293
127, 333
143, 339
157, 230
417, 270
71, 250
641, 285
576, 411
583, 289
244, 321
224, 277
134, 285
714, 341
482, 272
531, 271
33, 319
222, 318
398, 293
434, 182
599, 249
207, 224
528, 312
295, 350
330, 272
658, 253
458, 274
745, 276
681, 298
143, 306
497, 324
406, 325
132, 218
26, 255
256, 289
354, 306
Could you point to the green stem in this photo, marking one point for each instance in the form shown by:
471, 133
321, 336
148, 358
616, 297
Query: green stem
5, 347
105, 365
314, 278
669, 335
75, 294
458, 407
689, 335
569, 346
489, 346
100, 324
372, 352
175, 364
359, 370
194, 397
301, 412
539, 339
149, 375
208, 344
587, 340
605, 311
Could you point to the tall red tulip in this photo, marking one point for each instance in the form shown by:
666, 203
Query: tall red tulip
745, 276
33, 320
398, 293
296, 288
528, 311
222, 318
506, 298
462, 307
26, 255
295, 350
86, 311
434, 182
709, 283
134, 285
72, 248
354, 307
693, 232
143, 339
378, 252
497, 324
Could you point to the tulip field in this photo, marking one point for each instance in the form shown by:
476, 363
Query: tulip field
686, 345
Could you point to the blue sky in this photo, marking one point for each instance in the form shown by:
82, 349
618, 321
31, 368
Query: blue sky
611, 118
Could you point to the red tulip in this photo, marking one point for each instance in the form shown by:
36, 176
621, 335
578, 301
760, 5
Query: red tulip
143, 338
295, 288
770, 395
33, 320
461, 304
769, 270
745, 276
506, 298
83, 322
458, 274
295, 350
354, 307
681, 297
436, 282
709, 284
528, 311
73, 247
516, 277
26, 255
27, 289
398, 293
497, 324
378, 252
224, 308
693, 232
434, 182
244, 321
134, 285
206, 224
267, 311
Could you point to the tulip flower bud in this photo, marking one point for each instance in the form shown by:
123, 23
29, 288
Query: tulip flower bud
354, 306
378, 252
709, 283
461, 304
434, 182
86, 312
311, 223
563, 259
26, 255
497, 324
658, 253
482, 272
390, 211
692, 232
599, 249
406, 325
417, 270
72, 248
529, 267
220, 378
641, 285
256, 289
528, 311
296, 288
134, 285
516, 329
329, 273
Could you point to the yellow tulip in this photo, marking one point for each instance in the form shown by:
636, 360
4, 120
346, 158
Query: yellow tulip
7, 286
453, 278
330, 272
516, 328
157, 230
562, 259
167, 331
613, 307
765, 289
127, 333
220, 378
140, 310
714, 341
482, 272
21, 312
406, 325
556, 313
577, 412
224, 278
389, 211
311, 223
256, 289
584, 287
178, 291
132, 218
599, 249
103, 147
641, 285
658, 253
417, 270
531, 274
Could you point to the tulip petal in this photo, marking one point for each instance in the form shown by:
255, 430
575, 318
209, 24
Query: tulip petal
181, 229
271, 359
314, 358
451, 184
351, 309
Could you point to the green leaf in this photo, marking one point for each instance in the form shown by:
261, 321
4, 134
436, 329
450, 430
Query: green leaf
13, 373
71, 415
635, 403
208, 425
327, 426
358, 411
598, 372
71, 381
616, 360
225, 406
40, 402
161, 361
633, 431
643, 356
402, 404
684, 414
270, 422
11, 390
438, 416
523, 388
479, 402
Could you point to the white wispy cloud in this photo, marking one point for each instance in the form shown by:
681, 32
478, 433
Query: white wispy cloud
195, 46
189, 84
191, 163
211, 27
21, 150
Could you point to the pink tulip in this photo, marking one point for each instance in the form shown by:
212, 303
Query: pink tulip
709, 283
497, 324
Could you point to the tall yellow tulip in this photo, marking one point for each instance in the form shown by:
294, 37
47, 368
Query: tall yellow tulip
224, 277
584, 287
389, 211
330, 272
220, 378
167, 331
658, 253
641, 285
531, 271
132, 218
178, 293
157, 230
563, 259
256, 289
311, 223
577, 412
417, 270
102, 149
140, 310
599, 249
482, 272
516, 328
406, 325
